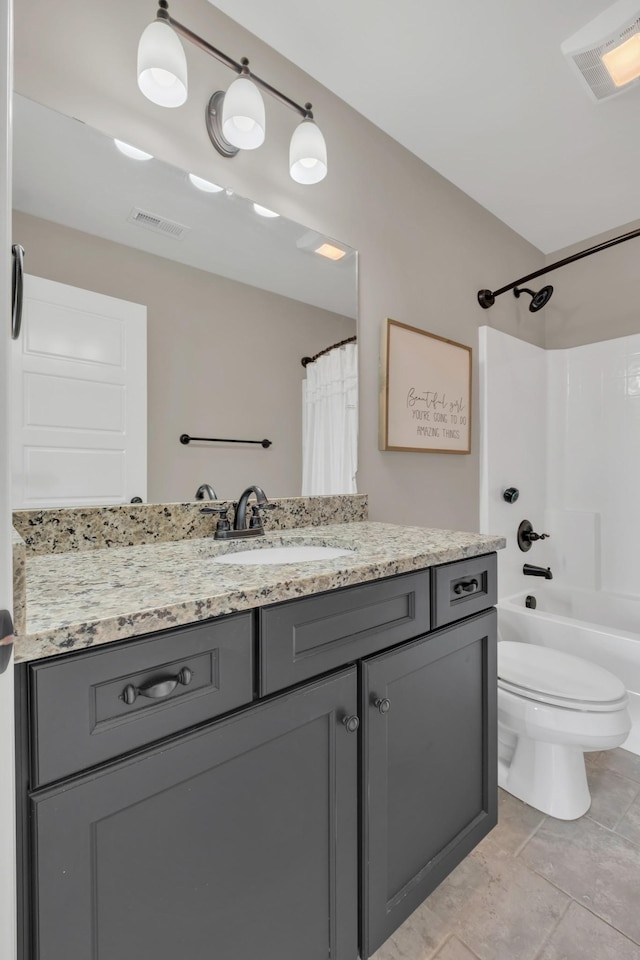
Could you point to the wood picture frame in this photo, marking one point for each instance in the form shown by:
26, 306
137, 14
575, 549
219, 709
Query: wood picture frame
425, 392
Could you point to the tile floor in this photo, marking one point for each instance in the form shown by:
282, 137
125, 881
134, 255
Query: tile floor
542, 889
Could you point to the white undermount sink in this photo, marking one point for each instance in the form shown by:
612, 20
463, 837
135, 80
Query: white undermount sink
272, 555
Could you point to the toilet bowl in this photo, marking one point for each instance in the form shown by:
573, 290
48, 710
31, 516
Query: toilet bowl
552, 708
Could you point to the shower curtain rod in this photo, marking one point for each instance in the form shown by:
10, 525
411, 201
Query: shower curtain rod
487, 298
307, 360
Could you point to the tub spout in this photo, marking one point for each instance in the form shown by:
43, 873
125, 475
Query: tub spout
530, 570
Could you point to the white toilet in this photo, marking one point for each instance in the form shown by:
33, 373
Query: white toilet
552, 707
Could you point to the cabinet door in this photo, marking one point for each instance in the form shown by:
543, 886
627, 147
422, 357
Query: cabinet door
236, 841
429, 766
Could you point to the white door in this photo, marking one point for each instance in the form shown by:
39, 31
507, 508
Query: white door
7, 831
79, 398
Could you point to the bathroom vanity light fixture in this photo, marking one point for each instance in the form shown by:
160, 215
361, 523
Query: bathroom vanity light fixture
236, 119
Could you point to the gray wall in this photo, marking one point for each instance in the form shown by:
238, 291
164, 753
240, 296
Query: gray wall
595, 298
198, 324
425, 247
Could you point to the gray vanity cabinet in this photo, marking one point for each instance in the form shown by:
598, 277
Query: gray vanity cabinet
429, 770
288, 783
236, 840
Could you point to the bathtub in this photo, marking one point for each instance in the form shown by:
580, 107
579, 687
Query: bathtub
599, 627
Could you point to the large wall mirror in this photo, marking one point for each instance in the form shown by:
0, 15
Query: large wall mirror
234, 299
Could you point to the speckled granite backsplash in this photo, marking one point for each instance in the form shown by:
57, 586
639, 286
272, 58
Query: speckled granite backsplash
127, 525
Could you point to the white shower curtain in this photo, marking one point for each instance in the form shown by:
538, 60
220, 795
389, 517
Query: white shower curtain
330, 423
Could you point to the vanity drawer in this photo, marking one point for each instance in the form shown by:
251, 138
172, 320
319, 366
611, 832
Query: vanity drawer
303, 638
462, 588
99, 704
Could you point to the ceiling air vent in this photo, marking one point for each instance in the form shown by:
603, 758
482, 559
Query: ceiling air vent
158, 224
586, 48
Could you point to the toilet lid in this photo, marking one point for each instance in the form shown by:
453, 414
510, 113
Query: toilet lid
553, 676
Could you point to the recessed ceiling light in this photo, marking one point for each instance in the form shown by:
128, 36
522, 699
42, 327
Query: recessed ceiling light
204, 185
623, 62
133, 152
330, 251
264, 211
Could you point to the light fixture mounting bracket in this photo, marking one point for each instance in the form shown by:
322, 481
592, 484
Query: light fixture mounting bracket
213, 120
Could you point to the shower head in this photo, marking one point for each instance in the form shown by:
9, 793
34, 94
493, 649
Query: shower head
538, 300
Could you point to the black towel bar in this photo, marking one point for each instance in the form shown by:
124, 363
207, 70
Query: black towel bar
185, 438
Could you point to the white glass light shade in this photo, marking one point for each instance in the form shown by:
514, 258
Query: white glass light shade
133, 152
205, 185
243, 117
264, 211
162, 66
307, 154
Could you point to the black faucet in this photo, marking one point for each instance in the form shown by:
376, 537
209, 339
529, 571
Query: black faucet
224, 531
208, 489
240, 518
530, 570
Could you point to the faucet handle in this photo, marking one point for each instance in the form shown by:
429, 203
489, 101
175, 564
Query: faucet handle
223, 522
538, 536
256, 519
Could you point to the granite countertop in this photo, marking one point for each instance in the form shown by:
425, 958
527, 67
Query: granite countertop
77, 600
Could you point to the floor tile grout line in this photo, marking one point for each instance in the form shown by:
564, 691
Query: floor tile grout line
621, 818
448, 938
553, 929
465, 944
448, 934
571, 899
613, 830
527, 839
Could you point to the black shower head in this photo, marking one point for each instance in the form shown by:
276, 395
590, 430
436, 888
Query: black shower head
538, 300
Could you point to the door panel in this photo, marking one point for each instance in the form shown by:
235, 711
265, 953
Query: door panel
79, 390
429, 766
236, 841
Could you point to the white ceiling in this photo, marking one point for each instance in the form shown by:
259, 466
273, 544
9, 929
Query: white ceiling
481, 92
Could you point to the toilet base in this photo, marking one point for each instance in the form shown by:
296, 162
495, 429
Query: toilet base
548, 776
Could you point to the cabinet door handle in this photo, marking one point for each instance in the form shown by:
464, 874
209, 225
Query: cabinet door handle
158, 690
466, 586
382, 704
351, 723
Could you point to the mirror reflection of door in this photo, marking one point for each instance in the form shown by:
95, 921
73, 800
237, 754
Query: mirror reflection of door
79, 389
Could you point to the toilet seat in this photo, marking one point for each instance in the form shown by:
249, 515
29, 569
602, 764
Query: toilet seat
559, 679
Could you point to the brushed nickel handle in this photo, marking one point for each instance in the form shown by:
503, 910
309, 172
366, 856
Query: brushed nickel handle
383, 704
351, 723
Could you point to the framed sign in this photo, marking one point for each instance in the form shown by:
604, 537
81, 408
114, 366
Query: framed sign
425, 392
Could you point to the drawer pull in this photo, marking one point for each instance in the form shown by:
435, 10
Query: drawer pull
351, 723
158, 690
466, 586
383, 704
